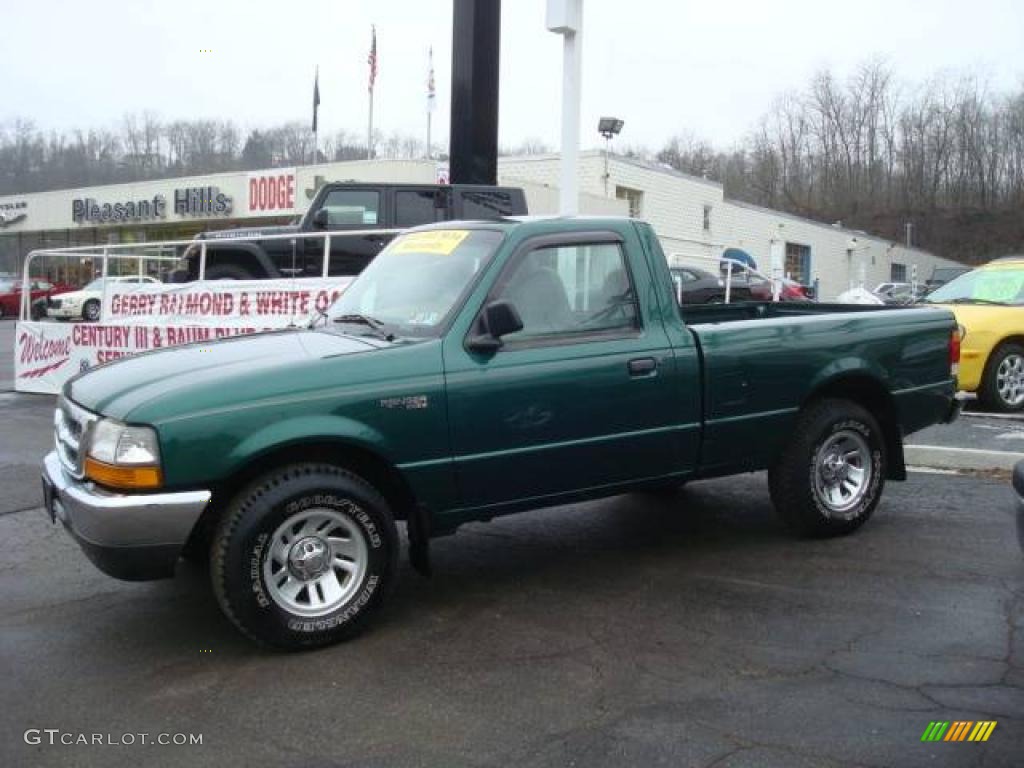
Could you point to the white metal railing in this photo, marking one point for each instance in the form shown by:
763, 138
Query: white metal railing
107, 252
731, 264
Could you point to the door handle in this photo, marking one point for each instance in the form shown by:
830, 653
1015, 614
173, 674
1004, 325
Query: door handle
643, 366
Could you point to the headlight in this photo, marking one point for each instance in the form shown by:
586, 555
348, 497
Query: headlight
121, 456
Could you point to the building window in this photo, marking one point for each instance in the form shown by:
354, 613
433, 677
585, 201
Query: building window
798, 263
634, 197
898, 273
707, 217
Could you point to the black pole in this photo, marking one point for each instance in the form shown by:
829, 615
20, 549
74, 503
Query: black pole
476, 37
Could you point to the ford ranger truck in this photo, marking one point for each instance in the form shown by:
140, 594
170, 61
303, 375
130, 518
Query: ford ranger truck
371, 211
476, 369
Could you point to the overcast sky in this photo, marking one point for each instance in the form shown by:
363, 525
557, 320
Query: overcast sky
709, 67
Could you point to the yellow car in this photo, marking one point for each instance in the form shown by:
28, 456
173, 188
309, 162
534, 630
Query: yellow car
989, 306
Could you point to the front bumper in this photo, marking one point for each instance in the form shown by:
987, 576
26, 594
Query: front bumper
64, 312
128, 536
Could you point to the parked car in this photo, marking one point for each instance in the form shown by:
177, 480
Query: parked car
942, 275
476, 369
85, 304
39, 291
900, 293
761, 288
347, 206
695, 286
989, 306
1018, 482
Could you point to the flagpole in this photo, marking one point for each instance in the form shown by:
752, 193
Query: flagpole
430, 98
373, 78
369, 130
316, 123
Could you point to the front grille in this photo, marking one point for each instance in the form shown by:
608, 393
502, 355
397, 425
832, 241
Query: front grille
71, 425
54, 303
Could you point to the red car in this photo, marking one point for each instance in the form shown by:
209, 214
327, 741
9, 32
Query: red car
10, 296
761, 288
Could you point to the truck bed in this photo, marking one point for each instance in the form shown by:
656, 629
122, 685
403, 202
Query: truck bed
702, 314
761, 359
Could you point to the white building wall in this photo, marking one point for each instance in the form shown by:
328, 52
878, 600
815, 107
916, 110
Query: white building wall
837, 254
674, 205
672, 202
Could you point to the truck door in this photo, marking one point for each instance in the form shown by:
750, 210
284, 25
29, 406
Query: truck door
348, 208
582, 396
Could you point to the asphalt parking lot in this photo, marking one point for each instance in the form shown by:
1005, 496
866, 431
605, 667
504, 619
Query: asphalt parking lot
686, 630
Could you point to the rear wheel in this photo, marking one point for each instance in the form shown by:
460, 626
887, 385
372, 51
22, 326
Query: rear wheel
304, 556
1002, 386
829, 479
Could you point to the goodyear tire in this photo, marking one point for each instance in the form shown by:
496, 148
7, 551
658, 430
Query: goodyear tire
1002, 386
829, 479
304, 556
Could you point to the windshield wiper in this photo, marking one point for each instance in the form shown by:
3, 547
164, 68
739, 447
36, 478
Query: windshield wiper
370, 322
976, 301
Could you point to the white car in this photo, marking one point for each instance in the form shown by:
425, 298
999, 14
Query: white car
85, 304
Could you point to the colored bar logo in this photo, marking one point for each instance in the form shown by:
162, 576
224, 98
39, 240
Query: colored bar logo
958, 730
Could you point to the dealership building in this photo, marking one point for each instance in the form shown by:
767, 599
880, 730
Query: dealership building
694, 219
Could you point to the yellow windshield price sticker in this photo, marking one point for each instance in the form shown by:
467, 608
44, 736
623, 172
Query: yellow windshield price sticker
999, 285
440, 242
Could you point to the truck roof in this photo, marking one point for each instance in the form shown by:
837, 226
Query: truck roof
542, 223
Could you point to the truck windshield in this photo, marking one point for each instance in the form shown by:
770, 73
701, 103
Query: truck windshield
999, 285
415, 283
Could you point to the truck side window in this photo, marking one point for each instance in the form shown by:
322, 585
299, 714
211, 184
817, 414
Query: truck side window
416, 206
575, 290
491, 204
352, 209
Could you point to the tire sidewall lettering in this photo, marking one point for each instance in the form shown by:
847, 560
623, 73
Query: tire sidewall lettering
259, 550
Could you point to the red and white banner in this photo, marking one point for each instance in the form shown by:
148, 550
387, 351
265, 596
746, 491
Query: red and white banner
145, 317
277, 303
48, 354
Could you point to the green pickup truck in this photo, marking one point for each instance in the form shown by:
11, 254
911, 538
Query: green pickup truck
472, 370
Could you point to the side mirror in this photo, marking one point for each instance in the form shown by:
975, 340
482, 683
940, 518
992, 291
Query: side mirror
321, 219
498, 319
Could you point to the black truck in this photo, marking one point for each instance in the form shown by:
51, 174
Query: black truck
345, 206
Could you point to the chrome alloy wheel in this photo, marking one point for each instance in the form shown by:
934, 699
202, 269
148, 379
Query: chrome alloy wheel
1010, 380
842, 472
316, 561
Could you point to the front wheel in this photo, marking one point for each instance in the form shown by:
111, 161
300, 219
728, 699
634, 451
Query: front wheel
91, 310
1002, 387
829, 479
304, 556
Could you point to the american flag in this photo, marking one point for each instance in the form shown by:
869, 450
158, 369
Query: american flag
372, 59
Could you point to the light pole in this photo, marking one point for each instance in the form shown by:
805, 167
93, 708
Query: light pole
609, 127
565, 17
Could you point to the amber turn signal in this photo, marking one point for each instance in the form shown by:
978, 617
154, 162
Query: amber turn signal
123, 478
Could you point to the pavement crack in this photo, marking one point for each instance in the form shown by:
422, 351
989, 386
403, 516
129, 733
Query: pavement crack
4, 513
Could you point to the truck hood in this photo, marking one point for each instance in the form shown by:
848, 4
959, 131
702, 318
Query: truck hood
229, 366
